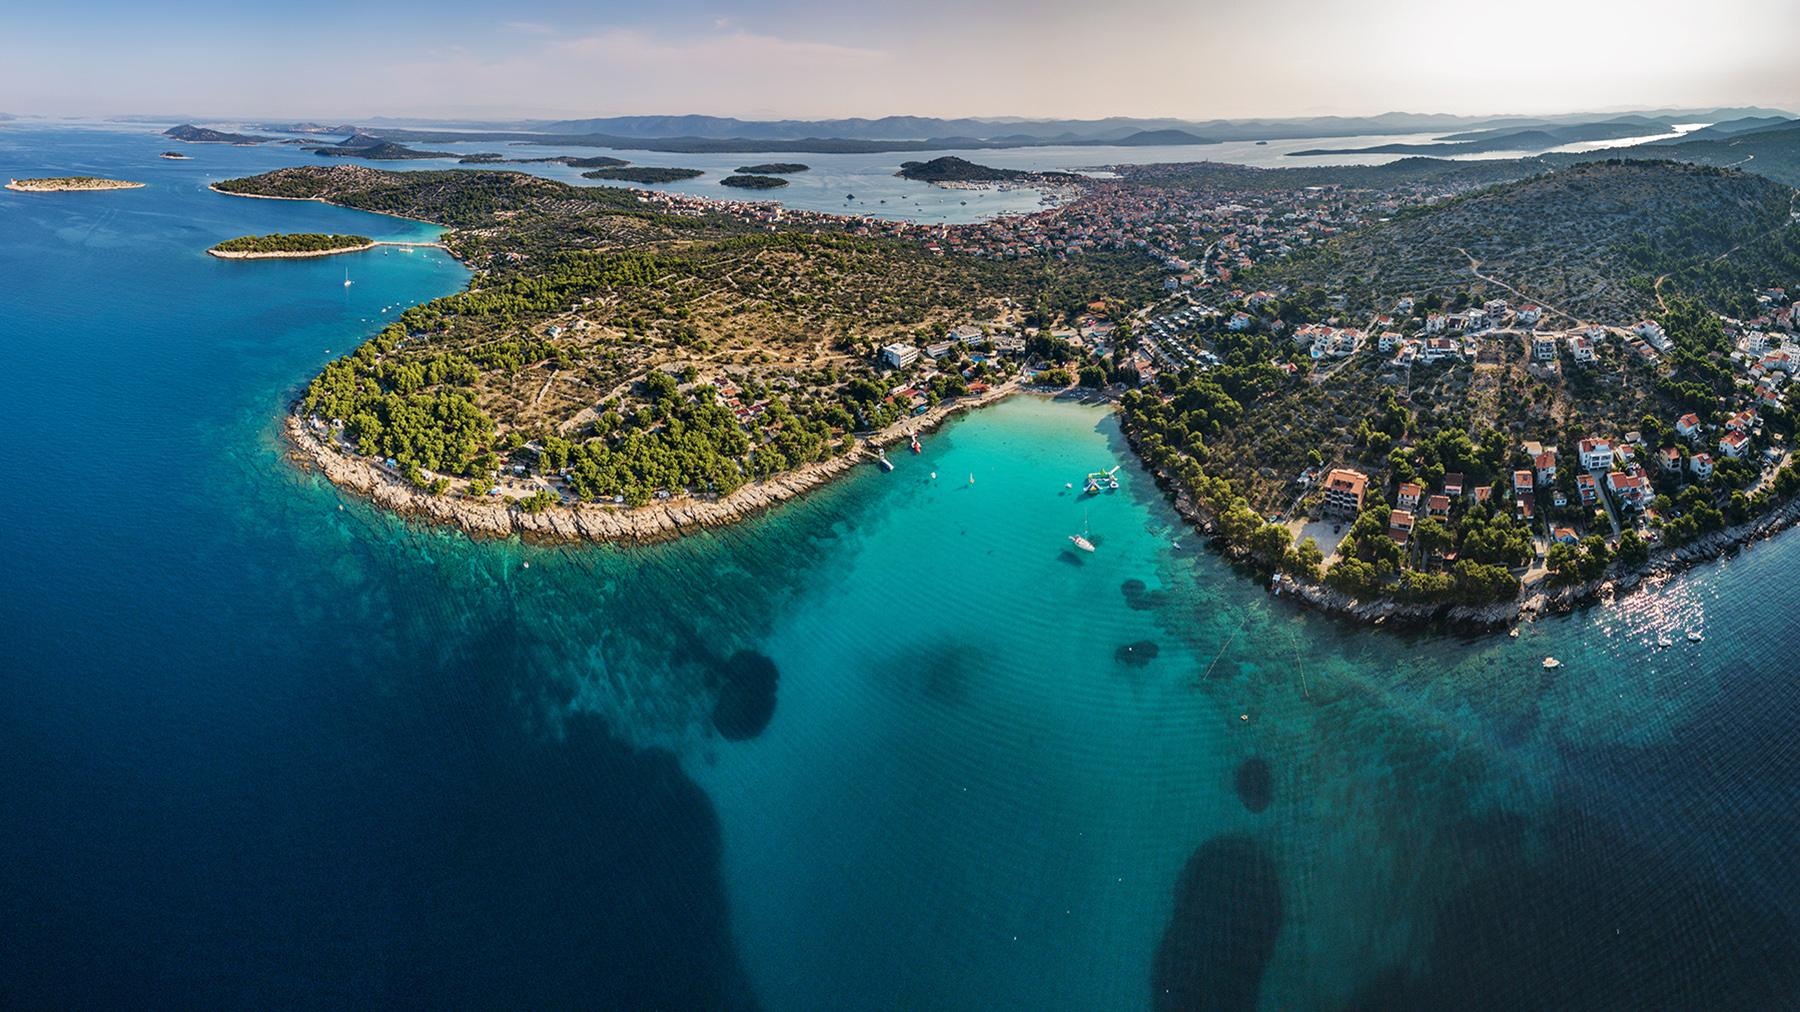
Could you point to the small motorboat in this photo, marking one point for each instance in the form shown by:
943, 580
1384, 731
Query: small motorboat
1551, 664
1695, 637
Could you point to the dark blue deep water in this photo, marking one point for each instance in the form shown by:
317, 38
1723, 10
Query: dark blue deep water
264, 746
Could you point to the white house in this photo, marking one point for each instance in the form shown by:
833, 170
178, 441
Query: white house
1435, 323
1735, 445
1438, 347
1651, 331
1701, 464
1687, 426
1583, 350
1596, 454
1544, 348
1529, 315
899, 355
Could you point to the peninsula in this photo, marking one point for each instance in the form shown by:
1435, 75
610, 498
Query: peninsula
1414, 389
63, 184
298, 244
620, 350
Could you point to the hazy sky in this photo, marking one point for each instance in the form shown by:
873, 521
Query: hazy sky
1198, 59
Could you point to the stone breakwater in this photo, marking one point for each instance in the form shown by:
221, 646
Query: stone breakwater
657, 521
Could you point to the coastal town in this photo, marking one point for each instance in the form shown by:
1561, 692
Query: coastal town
1445, 446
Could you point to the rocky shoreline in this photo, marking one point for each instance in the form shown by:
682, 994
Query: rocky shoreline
658, 521
1535, 599
66, 186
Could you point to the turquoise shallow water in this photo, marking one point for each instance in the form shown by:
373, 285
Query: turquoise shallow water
266, 745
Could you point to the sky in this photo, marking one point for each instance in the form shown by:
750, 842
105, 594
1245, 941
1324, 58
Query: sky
805, 59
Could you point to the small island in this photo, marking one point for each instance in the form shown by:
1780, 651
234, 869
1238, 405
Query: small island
774, 168
172, 154
951, 169
62, 184
382, 151
643, 174
754, 182
298, 244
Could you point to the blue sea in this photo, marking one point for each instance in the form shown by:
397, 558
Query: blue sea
263, 746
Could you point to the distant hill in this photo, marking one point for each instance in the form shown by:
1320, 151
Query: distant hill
1588, 239
1731, 128
201, 135
1148, 138
1773, 152
1510, 139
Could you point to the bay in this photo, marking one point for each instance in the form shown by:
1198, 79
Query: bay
265, 745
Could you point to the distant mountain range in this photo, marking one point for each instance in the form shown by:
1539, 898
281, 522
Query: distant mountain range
924, 131
1453, 135
1101, 131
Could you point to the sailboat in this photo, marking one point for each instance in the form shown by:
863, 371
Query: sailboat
347, 281
1081, 540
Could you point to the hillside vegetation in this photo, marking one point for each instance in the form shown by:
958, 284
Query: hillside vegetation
621, 343
1589, 240
296, 242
